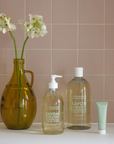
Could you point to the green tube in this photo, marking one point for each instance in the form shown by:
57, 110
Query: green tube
102, 115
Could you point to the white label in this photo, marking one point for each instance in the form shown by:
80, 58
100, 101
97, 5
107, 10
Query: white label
79, 106
52, 114
52, 108
52, 117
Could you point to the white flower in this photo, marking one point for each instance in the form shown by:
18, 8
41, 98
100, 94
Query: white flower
31, 34
2, 17
35, 27
40, 18
36, 33
5, 24
13, 27
43, 27
33, 18
28, 26
4, 30
43, 32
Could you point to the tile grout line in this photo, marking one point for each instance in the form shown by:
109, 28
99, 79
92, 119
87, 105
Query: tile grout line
104, 58
79, 24
93, 100
77, 32
51, 36
0, 4
66, 74
75, 24
57, 49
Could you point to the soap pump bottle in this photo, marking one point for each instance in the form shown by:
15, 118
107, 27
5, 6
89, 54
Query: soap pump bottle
53, 110
78, 109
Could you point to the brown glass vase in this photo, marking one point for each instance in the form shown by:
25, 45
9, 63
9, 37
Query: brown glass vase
18, 102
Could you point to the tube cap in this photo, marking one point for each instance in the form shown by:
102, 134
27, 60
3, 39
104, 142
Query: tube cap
78, 71
102, 131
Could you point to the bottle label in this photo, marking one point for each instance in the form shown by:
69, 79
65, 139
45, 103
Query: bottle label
78, 104
78, 107
52, 116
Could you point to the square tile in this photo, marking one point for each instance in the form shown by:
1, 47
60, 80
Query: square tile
91, 61
7, 40
91, 37
40, 7
38, 118
64, 61
64, 11
109, 62
96, 84
38, 61
6, 61
62, 84
109, 11
41, 42
110, 116
64, 37
94, 114
109, 36
40, 85
91, 11
14, 9
109, 88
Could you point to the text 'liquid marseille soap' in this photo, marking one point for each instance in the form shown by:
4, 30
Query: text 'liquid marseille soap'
53, 110
78, 102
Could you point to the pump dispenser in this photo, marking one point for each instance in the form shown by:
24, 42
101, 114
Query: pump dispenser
78, 109
53, 84
53, 109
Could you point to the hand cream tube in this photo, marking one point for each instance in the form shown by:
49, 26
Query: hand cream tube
102, 114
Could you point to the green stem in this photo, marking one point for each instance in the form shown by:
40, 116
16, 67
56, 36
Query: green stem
24, 47
20, 74
18, 80
16, 56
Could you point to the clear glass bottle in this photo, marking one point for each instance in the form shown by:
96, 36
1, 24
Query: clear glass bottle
53, 110
78, 102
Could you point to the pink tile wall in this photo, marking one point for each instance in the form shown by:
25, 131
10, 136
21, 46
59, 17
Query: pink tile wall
80, 33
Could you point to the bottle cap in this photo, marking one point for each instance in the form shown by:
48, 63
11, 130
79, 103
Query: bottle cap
102, 131
53, 84
78, 71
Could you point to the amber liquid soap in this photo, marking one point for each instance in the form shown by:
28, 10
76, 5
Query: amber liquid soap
78, 102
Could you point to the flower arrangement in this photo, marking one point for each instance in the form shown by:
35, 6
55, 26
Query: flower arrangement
34, 28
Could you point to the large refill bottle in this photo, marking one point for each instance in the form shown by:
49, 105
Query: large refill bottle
78, 102
53, 110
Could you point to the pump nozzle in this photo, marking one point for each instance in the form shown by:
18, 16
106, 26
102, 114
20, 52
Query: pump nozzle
53, 84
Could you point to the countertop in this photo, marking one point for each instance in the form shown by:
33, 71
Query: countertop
34, 135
